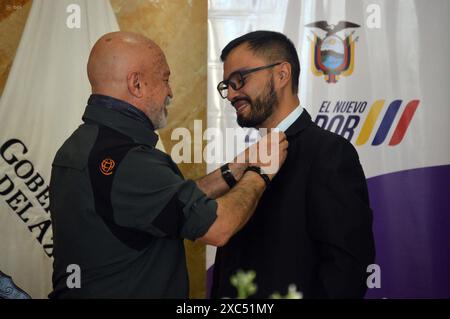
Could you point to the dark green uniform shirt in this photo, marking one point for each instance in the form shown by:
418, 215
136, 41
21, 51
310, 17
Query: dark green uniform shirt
120, 209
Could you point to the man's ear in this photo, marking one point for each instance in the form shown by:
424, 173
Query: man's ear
134, 82
283, 74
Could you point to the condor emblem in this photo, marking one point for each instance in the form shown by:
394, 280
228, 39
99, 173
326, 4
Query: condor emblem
332, 55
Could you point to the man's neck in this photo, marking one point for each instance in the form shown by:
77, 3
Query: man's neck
284, 108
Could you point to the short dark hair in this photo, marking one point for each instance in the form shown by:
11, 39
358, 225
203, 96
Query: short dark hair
273, 46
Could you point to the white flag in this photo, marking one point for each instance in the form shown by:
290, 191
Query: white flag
42, 104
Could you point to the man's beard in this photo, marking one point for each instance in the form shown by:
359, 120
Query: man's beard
261, 108
161, 118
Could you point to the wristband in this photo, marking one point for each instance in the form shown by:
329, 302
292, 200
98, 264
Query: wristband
258, 170
227, 175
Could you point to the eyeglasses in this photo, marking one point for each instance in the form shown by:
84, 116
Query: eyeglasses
237, 79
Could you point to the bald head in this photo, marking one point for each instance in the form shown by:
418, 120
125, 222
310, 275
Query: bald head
117, 54
129, 67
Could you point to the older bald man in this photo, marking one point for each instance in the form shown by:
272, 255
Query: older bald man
120, 208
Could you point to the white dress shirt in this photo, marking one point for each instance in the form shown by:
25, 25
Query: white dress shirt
253, 135
290, 119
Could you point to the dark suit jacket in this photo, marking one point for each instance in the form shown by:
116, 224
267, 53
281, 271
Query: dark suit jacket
312, 226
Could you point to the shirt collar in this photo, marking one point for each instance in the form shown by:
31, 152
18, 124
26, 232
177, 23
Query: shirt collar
295, 122
290, 119
120, 106
110, 112
301, 123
